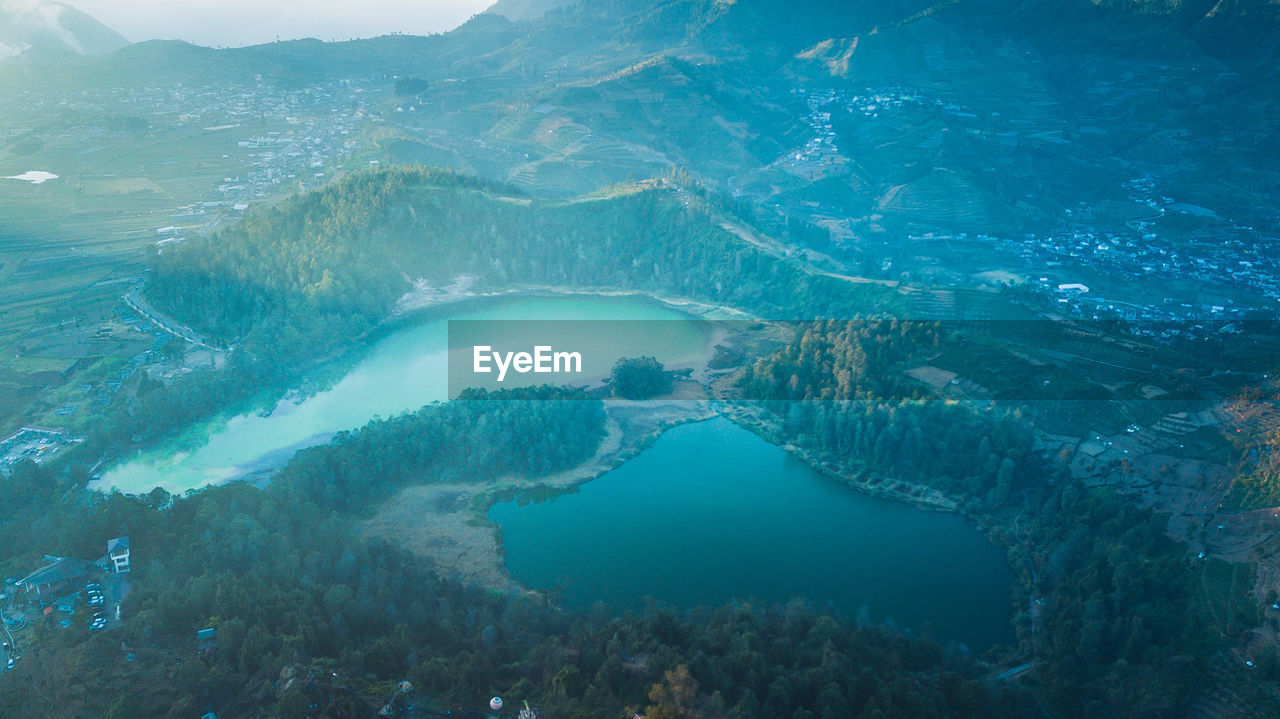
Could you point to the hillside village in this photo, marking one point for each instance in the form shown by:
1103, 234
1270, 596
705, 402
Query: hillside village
62, 593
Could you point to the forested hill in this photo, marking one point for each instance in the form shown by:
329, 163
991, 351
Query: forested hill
328, 266
1123, 632
292, 587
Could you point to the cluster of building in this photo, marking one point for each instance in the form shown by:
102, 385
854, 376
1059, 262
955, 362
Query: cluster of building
294, 137
874, 101
1220, 270
820, 151
1234, 259
63, 591
315, 127
316, 134
820, 155
61, 577
1168, 321
37, 444
868, 103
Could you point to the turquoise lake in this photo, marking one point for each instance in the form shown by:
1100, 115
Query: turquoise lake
708, 513
711, 512
402, 371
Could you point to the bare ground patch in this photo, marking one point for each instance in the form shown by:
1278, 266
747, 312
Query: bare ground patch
446, 523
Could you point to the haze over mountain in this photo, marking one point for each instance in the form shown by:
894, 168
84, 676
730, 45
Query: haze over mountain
526, 9
246, 22
1077, 198
43, 29
1234, 27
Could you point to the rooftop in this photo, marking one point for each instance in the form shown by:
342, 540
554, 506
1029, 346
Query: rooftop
60, 570
119, 545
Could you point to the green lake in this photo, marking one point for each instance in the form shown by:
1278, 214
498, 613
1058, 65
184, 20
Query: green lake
402, 371
711, 512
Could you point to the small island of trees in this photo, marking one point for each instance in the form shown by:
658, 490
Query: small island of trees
639, 378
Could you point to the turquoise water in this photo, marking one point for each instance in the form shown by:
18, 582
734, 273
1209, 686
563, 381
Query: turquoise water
711, 512
401, 372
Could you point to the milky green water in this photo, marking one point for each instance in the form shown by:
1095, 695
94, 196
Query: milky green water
402, 372
711, 512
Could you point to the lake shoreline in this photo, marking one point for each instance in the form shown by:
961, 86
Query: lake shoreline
917, 495
554, 541
325, 373
617, 447
462, 541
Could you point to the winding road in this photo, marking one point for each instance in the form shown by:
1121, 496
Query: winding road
159, 319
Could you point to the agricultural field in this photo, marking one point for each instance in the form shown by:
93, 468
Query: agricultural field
134, 170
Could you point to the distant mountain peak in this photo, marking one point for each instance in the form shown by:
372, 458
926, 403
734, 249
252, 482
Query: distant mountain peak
48, 30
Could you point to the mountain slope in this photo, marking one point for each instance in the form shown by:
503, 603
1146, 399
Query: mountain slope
330, 265
44, 30
526, 9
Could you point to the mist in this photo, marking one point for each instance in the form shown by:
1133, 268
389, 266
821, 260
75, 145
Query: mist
249, 22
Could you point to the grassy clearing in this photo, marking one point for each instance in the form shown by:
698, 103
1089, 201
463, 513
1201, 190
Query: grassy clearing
1228, 595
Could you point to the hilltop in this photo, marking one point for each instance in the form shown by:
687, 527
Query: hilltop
325, 267
43, 30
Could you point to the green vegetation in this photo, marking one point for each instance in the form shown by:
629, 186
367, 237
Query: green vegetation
529, 431
284, 576
293, 286
1115, 623
639, 378
1254, 490
839, 391
843, 359
411, 86
1228, 597
1008, 134
1257, 444
1116, 612
309, 276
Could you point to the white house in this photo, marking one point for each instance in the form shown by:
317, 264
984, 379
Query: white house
118, 552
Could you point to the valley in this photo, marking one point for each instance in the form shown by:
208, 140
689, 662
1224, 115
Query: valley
1006, 272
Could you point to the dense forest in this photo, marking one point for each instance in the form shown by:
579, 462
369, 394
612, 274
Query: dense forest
1113, 619
292, 588
293, 285
839, 389
639, 378
290, 282
978, 153
1109, 618
1106, 615
527, 431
